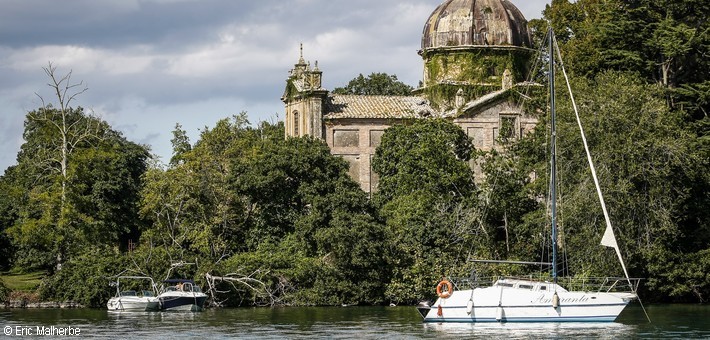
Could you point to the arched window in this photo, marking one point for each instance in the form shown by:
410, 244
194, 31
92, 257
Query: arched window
296, 123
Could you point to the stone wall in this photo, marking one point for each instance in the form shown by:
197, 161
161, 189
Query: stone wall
356, 141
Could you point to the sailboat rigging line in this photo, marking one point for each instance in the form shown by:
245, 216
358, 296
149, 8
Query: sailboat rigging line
484, 211
608, 239
643, 308
525, 95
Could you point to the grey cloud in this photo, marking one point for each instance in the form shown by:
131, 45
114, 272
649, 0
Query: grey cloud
192, 61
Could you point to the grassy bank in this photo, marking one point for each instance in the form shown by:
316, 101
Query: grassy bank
22, 282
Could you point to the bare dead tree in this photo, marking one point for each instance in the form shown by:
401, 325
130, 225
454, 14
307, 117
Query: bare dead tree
71, 130
71, 133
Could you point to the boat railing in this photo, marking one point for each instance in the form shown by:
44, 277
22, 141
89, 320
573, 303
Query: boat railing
587, 284
461, 283
601, 284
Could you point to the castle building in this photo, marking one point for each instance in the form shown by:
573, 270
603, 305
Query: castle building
476, 56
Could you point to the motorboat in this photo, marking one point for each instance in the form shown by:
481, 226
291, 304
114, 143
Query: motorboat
181, 295
132, 300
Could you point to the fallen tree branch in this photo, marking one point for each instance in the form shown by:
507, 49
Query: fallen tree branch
256, 286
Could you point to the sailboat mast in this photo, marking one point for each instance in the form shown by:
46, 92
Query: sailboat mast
553, 155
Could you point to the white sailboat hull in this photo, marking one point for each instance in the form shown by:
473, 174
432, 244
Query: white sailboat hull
508, 304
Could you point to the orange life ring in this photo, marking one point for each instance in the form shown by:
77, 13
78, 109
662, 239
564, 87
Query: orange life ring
449, 289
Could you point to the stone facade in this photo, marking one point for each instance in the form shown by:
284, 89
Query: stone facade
356, 140
476, 56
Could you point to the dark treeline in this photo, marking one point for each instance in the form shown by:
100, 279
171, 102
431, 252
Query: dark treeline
283, 220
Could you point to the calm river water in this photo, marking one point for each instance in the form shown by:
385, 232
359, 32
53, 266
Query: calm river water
669, 321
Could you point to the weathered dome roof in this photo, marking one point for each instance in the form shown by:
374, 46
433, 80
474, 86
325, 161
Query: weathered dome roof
476, 23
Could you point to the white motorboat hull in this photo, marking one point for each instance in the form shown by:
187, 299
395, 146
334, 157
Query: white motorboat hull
132, 304
507, 304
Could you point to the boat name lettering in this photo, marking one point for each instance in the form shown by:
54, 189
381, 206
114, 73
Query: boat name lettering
548, 299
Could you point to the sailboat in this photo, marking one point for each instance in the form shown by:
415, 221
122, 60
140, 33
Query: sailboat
510, 299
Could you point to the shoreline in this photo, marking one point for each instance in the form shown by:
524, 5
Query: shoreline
25, 304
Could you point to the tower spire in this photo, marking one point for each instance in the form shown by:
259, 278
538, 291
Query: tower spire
301, 61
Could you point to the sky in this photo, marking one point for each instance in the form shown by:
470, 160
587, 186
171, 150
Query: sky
151, 64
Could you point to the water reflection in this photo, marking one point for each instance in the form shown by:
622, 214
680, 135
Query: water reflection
531, 330
677, 321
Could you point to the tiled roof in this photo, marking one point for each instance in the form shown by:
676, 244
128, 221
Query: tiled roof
355, 106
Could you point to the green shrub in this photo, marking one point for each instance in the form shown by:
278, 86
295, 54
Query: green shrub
4, 291
84, 279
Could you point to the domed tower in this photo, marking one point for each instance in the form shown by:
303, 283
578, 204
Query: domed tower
471, 48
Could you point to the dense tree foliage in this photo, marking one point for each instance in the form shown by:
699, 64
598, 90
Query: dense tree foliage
84, 278
298, 194
653, 176
8, 214
49, 217
428, 206
653, 140
512, 220
666, 42
375, 84
244, 200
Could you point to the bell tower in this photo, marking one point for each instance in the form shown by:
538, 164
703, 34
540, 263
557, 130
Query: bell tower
304, 99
